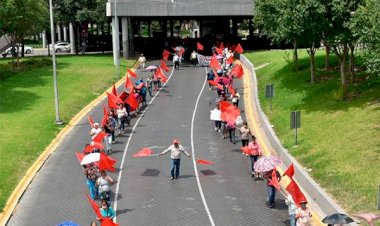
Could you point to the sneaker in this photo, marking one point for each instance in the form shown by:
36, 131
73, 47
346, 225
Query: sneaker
216, 129
219, 130
271, 206
171, 178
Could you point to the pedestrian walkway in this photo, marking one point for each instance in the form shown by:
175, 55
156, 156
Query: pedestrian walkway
223, 194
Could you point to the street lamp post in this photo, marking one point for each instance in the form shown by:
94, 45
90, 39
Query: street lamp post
57, 118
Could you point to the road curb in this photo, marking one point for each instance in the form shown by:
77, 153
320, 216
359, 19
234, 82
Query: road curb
32, 171
252, 115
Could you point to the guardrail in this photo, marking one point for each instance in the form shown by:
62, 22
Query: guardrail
325, 204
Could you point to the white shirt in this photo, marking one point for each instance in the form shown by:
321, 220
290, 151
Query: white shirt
175, 153
121, 112
175, 58
95, 132
142, 59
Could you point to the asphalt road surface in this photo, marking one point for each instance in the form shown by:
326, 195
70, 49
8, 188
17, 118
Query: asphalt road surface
219, 194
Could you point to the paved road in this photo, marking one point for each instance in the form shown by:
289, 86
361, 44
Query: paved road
220, 194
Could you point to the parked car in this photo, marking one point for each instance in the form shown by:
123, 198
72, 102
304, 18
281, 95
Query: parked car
61, 47
18, 49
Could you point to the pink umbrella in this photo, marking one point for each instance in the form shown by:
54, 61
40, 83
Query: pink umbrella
151, 68
267, 163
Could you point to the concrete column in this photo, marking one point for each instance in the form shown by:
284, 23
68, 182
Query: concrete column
149, 23
59, 33
124, 35
44, 40
72, 38
234, 27
165, 27
64, 33
130, 33
115, 39
171, 28
250, 27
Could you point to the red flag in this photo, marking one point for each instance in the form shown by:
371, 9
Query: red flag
215, 75
245, 150
131, 101
99, 137
221, 45
204, 162
106, 162
123, 96
238, 71
214, 63
113, 100
114, 91
165, 54
289, 171
164, 66
274, 181
199, 46
161, 75
128, 83
79, 156
219, 51
90, 147
232, 48
217, 85
90, 120
230, 114
295, 192
238, 49
131, 73
108, 222
231, 90
230, 60
95, 207
224, 105
143, 153
105, 116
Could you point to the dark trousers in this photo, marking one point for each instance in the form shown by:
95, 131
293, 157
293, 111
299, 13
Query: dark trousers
176, 64
174, 167
271, 194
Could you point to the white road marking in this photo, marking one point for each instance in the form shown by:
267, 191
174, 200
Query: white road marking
193, 155
261, 66
129, 140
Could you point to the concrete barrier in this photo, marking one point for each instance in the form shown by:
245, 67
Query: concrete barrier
321, 202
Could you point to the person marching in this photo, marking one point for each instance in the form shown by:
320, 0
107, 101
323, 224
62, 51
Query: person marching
175, 155
142, 61
254, 154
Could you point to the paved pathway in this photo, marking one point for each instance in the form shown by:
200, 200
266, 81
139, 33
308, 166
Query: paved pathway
223, 194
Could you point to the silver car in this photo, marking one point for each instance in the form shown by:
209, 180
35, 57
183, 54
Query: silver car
61, 47
18, 48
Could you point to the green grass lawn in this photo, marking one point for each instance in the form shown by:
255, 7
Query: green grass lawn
27, 107
338, 140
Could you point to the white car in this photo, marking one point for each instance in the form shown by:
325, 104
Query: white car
61, 47
27, 49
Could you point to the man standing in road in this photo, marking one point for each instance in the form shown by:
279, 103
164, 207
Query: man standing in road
175, 155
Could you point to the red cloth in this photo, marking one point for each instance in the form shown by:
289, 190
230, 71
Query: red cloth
131, 73
80, 156
215, 75
204, 162
105, 115
199, 46
164, 66
106, 162
123, 96
274, 181
114, 91
128, 83
131, 101
230, 114
221, 46
95, 207
295, 192
161, 75
231, 90
99, 137
108, 222
217, 85
113, 100
143, 153
223, 105
239, 49
214, 63
238, 71
90, 120
219, 51
165, 54
230, 60
289, 171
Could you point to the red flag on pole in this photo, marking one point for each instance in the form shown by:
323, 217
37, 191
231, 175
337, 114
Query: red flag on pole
214, 63
239, 49
90, 147
165, 54
217, 85
161, 75
95, 207
245, 150
131, 101
80, 156
230, 60
164, 66
113, 100
274, 181
108, 222
114, 91
199, 46
105, 115
238, 71
289, 171
123, 96
128, 83
219, 51
106, 163
215, 75
204, 162
231, 90
295, 192
143, 153
90, 120
224, 105
131, 73
99, 137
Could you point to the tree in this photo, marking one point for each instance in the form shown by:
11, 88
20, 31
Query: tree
365, 26
281, 20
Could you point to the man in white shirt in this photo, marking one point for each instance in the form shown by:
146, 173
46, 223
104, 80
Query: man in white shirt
176, 61
95, 130
142, 62
175, 155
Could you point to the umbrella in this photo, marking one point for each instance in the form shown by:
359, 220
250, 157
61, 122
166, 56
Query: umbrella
267, 163
369, 217
337, 218
104, 162
151, 68
68, 223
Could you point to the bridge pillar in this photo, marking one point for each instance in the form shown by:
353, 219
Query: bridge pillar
124, 35
115, 39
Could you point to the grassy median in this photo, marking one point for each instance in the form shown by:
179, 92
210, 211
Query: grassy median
27, 110
339, 141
